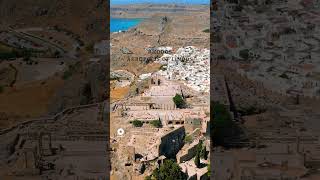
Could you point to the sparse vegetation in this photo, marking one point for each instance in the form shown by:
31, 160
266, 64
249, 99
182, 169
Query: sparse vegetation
7, 52
147, 178
206, 31
244, 54
89, 48
188, 139
114, 78
245, 111
87, 95
57, 54
68, 73
15, 75
284, 75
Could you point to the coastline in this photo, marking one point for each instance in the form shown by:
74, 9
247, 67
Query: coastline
124, 26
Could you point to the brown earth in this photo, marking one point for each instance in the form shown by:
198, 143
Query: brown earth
25, 101
85, 18
118, 93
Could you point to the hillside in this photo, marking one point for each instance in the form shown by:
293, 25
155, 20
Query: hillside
85, 18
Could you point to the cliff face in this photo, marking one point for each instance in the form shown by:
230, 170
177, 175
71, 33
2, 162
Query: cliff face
83, 17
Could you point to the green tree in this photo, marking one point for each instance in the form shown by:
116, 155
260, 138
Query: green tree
188, 139
222, 125
137, 123
203, 153
156, 123
244, 53
169, 170
198, 154
221, 116
147, 178
199, 147
179, 101
197, 160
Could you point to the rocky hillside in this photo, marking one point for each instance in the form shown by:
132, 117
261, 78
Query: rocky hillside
147, 10
83, 17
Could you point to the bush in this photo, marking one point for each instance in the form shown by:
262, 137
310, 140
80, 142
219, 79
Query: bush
221, 115
204, 153
89, 48
7, 55
206, 30
1, 89
244, 54
137, 123
169, 170
221, 125
57, 54
197, 160
283, 75
179, 101
147, 178
156, 123
188, 139
67, 74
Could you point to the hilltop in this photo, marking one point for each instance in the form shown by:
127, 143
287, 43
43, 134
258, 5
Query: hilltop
46, 48
148, 10
163, 25
85, 18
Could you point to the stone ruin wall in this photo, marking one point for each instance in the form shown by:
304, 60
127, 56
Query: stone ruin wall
172, 142
257, 88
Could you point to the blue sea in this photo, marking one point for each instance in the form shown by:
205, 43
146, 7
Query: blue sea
123, 24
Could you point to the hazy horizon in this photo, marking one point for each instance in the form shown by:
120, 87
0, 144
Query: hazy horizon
122, 2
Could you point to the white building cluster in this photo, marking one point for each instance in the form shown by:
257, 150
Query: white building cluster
190, 65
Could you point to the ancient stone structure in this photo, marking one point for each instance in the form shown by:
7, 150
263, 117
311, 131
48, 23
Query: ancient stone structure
172, 142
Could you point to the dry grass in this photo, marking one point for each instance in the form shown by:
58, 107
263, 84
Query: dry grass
119, 93
4, 48
27, 101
